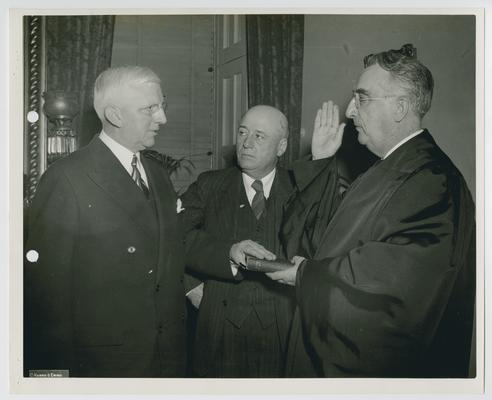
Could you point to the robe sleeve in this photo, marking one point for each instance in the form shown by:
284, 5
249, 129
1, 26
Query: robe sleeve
317, 195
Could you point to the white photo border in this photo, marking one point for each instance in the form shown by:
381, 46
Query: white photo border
19, 384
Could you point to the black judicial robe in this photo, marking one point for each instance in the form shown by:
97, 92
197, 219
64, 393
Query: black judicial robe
390, 289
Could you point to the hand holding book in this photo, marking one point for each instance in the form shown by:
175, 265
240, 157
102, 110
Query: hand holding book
262, 265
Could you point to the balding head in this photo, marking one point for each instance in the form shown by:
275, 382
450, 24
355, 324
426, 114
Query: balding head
273, 115
262, 138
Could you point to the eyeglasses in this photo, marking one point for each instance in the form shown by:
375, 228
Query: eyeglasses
154, 108
358, 100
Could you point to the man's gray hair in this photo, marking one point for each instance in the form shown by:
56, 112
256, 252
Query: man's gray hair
109, 82
404, 67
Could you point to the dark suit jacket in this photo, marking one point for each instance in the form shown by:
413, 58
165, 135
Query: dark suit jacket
212, 207
106, 296
390, 291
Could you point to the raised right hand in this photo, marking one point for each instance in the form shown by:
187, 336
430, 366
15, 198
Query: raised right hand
327, 133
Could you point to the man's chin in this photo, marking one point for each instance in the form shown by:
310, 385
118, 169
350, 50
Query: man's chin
244, 160
361, 137
149, 143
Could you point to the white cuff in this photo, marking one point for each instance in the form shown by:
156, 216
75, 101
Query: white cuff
233, 268
195, 289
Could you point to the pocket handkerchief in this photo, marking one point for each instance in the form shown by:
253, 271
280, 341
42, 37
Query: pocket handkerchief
179, 206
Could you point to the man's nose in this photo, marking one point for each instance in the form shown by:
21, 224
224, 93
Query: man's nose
351, 109
248, 141
160, 117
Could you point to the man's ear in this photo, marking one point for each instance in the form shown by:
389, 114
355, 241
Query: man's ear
113, 116
402, 108
282, 146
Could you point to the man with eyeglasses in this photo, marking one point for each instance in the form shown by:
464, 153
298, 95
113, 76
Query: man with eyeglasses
104, 266
389, 289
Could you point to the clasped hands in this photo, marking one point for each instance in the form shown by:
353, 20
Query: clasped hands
240, 250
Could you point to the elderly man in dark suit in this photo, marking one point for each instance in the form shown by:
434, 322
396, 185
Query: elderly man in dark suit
244, 317
389, 289
104, 292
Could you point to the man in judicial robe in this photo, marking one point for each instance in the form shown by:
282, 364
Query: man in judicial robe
389, 287
104, 293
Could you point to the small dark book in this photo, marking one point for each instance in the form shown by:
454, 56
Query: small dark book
259, 265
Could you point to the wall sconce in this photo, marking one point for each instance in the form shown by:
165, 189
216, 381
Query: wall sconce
61, 108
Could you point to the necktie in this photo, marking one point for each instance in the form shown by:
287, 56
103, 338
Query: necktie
258, 204
138, 178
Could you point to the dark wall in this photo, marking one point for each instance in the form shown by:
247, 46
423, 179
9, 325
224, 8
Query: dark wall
336, 44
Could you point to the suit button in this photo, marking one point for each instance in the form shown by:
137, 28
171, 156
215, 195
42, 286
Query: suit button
157, 287
159, 329
131, 249
224, 303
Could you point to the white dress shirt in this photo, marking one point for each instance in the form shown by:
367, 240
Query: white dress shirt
267, 182
402, 142
124, 155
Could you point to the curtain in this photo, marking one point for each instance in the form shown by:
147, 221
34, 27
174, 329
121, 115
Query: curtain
78, 48
275, 47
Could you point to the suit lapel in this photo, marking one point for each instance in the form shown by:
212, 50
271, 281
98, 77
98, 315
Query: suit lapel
229, 197
282, 187
108, 173
165, 200
163, 191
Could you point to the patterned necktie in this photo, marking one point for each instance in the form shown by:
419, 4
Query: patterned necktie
258, 204
138, 178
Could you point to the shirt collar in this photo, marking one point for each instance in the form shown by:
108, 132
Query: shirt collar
401, 142
267, 182
124, 155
